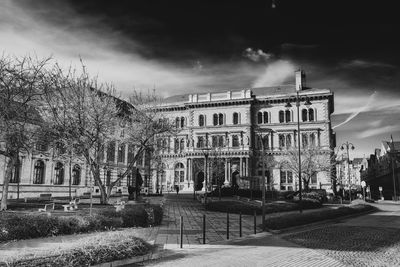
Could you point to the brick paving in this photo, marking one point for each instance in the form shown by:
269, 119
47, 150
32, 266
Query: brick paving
369, 240
192, 211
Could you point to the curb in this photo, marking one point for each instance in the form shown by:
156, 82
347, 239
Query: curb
301, 227
138, 259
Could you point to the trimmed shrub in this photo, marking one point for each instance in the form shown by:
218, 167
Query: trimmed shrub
225, 192
296, 219
26, 226
88, 251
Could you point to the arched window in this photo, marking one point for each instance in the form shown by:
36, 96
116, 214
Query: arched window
265, 117
59, 173
215, 119
179, 172
176, 145
281, 116
259, 117
201, 120
311, 114
235, 141
287, 116
220, 141
281, 141
111, 152
131, 153
220, 119
182, 122
38, 172
235, 118
177, 122
200, 141
214, 141
304, 138
304, 114
16, 172
266, 142
121, 152
312, 140
76, 175
288, 141
182, 145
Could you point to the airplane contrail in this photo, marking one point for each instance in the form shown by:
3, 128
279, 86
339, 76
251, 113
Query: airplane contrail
354, 114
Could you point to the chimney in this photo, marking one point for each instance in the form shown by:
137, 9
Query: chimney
300, 80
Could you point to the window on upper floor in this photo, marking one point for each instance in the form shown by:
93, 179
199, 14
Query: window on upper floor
121, 153
287, 116
59, 173
214, 141
201, 120
281, 116
235, 118
265, 117
281, 138
215, 119
310, 114
200, 141
304, 114
221, 119
182, 145
288, 141
312, 140
111, 152
221, 141
177, 122
286, 177
304, 139
38, 172
16, 172
313, 179
76, 175
182, 122
235, 141
259, 117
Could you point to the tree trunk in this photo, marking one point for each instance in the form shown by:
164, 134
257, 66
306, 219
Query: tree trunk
109, 188
7, 177
103, 195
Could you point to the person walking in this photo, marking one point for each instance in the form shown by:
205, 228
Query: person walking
177, 189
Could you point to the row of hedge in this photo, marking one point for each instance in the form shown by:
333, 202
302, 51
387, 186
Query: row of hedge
249, 208
296, 219
86, 251
25, 226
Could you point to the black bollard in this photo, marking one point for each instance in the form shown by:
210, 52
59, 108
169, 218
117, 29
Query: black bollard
204, 228
181, 231
227, 225
255, 222
240, 224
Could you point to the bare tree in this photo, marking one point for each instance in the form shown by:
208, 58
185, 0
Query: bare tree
21, 84
312, 162
88, 116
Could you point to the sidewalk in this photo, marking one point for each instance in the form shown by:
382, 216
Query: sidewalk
262, 249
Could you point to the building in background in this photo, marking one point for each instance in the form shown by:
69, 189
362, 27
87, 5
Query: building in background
226, 129
383, 170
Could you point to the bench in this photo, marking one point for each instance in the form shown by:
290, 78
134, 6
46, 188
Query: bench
47, 207
120, 205
45, 197
73, 205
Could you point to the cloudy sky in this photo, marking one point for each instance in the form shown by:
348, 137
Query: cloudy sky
350, 47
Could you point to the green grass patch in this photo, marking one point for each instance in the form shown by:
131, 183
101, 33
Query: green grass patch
296, 219
86, 251
249, 208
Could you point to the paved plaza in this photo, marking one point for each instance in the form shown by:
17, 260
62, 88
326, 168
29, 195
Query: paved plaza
192, 212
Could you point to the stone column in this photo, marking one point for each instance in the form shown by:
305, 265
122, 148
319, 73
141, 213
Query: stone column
241, 166
226, 182
116, 152
126, 154
229, 170
247, 167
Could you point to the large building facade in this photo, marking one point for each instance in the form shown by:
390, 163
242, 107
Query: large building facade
223, 131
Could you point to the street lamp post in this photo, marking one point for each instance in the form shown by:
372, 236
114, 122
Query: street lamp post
348, 145
392, 156
263, 180
288, 105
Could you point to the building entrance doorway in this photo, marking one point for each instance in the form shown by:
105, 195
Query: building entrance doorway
235, 178
199, 181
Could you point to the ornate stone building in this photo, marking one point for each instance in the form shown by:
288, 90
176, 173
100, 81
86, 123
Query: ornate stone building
227, 128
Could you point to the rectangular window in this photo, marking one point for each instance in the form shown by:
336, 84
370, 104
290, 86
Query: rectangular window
283, 177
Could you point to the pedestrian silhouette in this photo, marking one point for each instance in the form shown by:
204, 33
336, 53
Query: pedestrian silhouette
177, 189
